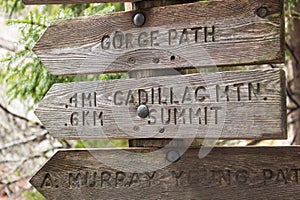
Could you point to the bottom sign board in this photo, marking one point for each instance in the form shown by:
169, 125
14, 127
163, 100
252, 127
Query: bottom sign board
225, 173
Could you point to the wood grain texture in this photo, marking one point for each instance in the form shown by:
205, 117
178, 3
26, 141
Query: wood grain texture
238, 104
201, 34
38, 2
225, 173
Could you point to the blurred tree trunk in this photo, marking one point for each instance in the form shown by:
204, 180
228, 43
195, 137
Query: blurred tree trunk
294, 91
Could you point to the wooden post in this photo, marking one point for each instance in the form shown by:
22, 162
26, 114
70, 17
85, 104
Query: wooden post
151, 73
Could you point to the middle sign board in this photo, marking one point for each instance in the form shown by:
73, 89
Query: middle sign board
237, 104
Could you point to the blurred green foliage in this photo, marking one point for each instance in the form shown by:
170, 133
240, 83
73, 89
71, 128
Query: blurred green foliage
29, 195
25, 76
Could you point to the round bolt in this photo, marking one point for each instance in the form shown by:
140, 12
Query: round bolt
136, 128
262, 12
139, 19
173, 156
143, 111
161, 130
131, 60
156, 60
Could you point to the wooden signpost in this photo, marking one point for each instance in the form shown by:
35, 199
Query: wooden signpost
237, 104
201, 34
226, 173
246, 104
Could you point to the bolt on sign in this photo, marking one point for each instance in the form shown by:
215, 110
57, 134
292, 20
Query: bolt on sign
201, 34
226, 173
237, 104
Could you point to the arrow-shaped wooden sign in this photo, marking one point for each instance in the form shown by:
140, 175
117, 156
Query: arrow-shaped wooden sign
225, 173
201, 34
237, 104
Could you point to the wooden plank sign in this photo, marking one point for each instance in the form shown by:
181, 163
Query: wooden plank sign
225, 173
237, 104
201, 34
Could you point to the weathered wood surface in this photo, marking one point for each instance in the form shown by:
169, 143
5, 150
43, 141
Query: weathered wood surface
31, 2
237, 104
212, 33
226, 173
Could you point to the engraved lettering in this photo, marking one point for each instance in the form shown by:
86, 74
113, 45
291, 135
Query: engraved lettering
267, 175
120, 177
142, 39
105, 179
130, 98
154, 36
118, 40
84, 118
241, 177
152, 118
221, 94
150, 177
253, 91
172, 36
200, 97
184, 37
47, 181
129, 40
210, 33
177, 176
74, 100
186, 95
74, 119
74, 180
196, 29
105, 42
143, 97
238, 90
165, 122
134, 179
116, 102
216, 109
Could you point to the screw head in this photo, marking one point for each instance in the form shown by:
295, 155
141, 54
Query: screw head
139, 19
161, 130
156, 60
143, 111
131, 60
262, 12
173, 156
136, 128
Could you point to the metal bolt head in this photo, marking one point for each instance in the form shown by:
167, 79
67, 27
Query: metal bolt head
131, 60
262, 12
139, 19
136, 128
173, 156
161, 130
156, 60
143, 111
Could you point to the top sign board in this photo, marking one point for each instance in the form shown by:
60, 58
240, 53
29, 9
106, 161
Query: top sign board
201, 34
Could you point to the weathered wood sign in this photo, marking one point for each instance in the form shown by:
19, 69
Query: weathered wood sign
210, 33
237, 104
226, 173
28, 2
